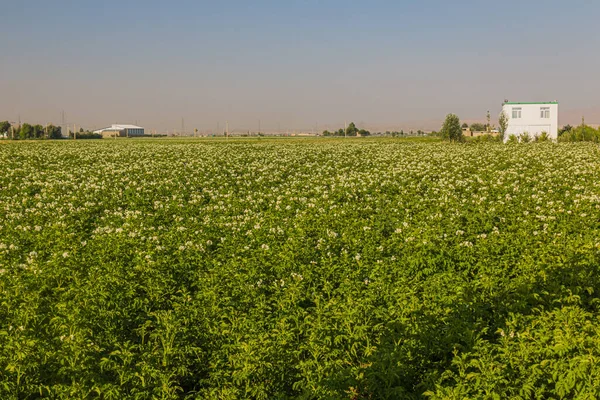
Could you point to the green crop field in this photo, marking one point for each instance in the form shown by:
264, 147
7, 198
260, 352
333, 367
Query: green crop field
312, 269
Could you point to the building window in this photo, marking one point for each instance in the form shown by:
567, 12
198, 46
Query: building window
545, 112
516, 112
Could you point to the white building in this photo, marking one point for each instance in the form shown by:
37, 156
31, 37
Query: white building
121, 130
532, 119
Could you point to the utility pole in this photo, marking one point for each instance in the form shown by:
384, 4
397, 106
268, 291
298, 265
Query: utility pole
345, 129
182, 126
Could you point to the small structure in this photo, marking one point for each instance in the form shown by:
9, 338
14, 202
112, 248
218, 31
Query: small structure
467, 132
118, 130
532, 119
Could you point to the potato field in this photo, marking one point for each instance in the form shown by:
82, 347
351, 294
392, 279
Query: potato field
299, 269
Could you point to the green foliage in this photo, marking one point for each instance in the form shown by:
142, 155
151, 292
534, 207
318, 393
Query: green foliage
485, 139
542, 137
54, 132
525, 137
4, 127
451, 129
503, 124
583, 133
351, 130
85, 135
564, 129
275, 269
478, 127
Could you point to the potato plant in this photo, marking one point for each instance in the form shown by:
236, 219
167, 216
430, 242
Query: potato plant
358, 269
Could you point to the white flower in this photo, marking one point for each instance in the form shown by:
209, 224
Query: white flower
297, 276
65, 254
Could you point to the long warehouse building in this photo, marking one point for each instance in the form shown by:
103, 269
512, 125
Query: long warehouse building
118, 130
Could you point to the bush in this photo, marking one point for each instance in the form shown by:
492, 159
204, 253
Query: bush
543, 137
524, 137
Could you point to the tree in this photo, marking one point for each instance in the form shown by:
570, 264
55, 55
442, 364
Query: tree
351, 130
4, 127
503, 124
565, 129
487, 117
38, 131
465, 125
451, 129
478, 127
54, 132
364, 132
26, 131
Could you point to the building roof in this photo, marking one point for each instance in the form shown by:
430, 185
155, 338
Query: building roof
126, 126
534, 102
118, 127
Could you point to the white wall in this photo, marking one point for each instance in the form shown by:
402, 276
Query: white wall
531, 121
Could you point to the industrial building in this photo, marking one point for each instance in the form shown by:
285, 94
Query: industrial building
531, 118
118, 130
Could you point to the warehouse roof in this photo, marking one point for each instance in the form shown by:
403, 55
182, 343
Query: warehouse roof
119, 127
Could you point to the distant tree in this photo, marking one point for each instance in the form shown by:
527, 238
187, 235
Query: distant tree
26, 131
503, 124
364, 132
401, 132
465, 125
340, 132
54, 132
478, 127
4, 127
488, 118
451, 129
38, 131
565, 129
351, 130
327, 133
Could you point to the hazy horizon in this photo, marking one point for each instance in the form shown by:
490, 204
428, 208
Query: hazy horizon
294, 65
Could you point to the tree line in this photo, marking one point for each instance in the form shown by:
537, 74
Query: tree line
351, 130
31, 132
28, 131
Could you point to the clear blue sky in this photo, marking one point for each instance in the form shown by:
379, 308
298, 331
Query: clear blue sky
293, 63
